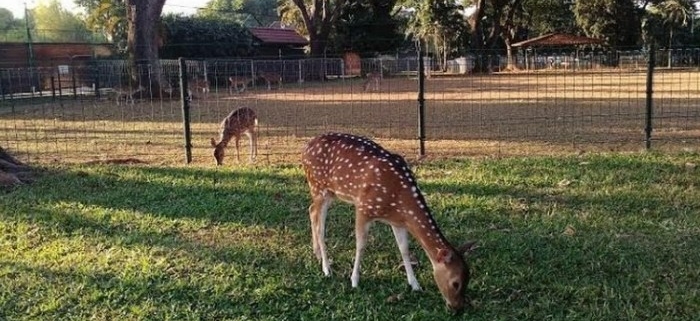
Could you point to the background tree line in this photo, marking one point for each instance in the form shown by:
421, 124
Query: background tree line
449, 28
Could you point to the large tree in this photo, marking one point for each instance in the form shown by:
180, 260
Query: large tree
437, 23
318, 18
139, 20
674, 14
367, 26
143, 40
616, 21
547, 16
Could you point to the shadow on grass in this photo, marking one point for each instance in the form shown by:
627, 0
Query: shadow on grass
527, 272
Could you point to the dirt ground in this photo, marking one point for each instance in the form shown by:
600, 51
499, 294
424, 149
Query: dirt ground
490, 115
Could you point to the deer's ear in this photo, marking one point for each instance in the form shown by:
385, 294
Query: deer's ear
444, 256
468, 247
213, 142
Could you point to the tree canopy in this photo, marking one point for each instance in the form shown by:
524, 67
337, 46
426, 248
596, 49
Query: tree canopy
11, 29
450, 28
249, 13
616, 21
108, 18
200, 37
51, 22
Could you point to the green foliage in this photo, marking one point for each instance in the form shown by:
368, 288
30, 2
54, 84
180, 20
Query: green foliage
51, 22
616, 21
367, 27
594, 237
547, 16
199, 37
11, 29
108, 18
291, 16
249, 13
438, 23
668, 22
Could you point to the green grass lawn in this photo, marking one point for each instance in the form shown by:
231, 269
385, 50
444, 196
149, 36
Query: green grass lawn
600, 237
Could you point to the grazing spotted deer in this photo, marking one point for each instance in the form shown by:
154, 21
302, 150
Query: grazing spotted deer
234, 81
382, 188
372, 78
238, 122
271, 77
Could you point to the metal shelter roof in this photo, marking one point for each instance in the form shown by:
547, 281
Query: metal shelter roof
278, 36
558, 40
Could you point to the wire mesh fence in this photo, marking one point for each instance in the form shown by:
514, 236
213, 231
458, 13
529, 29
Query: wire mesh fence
105, 109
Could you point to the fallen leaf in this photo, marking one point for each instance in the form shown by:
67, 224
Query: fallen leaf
569, 231
564, 183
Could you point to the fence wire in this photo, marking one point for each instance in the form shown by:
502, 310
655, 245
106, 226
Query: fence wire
551, 104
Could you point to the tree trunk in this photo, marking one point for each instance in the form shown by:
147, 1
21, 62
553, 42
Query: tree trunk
510, 61
319, 20
143, 17
670, 43
477, 39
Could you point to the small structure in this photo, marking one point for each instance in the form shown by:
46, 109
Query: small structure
353, 64
558, 41
278, 42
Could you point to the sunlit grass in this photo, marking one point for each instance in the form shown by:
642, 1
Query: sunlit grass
593, 237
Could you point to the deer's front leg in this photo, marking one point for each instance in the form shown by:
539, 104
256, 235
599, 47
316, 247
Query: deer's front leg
253, 144
361, 228
401, 236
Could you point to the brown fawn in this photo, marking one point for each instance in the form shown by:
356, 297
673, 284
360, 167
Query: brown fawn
382, 188
373, 78
271, 77
235, 81
238, 122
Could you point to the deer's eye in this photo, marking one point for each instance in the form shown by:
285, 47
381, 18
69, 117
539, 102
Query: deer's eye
455, 285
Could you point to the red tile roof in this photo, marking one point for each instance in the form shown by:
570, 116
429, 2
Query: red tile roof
278, 36
558, 39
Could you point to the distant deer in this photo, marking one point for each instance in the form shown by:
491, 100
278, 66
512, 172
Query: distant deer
270, 78
382, 188
372, 78
126, 94
200, 84
234, 81
238, 122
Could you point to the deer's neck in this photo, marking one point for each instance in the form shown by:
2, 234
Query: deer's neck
421, 224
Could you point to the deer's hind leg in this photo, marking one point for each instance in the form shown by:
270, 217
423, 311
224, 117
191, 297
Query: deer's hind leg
318, 211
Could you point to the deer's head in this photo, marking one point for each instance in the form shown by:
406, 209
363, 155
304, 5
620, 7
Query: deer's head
218, 152
451, 275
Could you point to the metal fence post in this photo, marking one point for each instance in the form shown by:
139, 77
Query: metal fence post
651, 61
73, 81
421, 100
185, 101
96, 83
